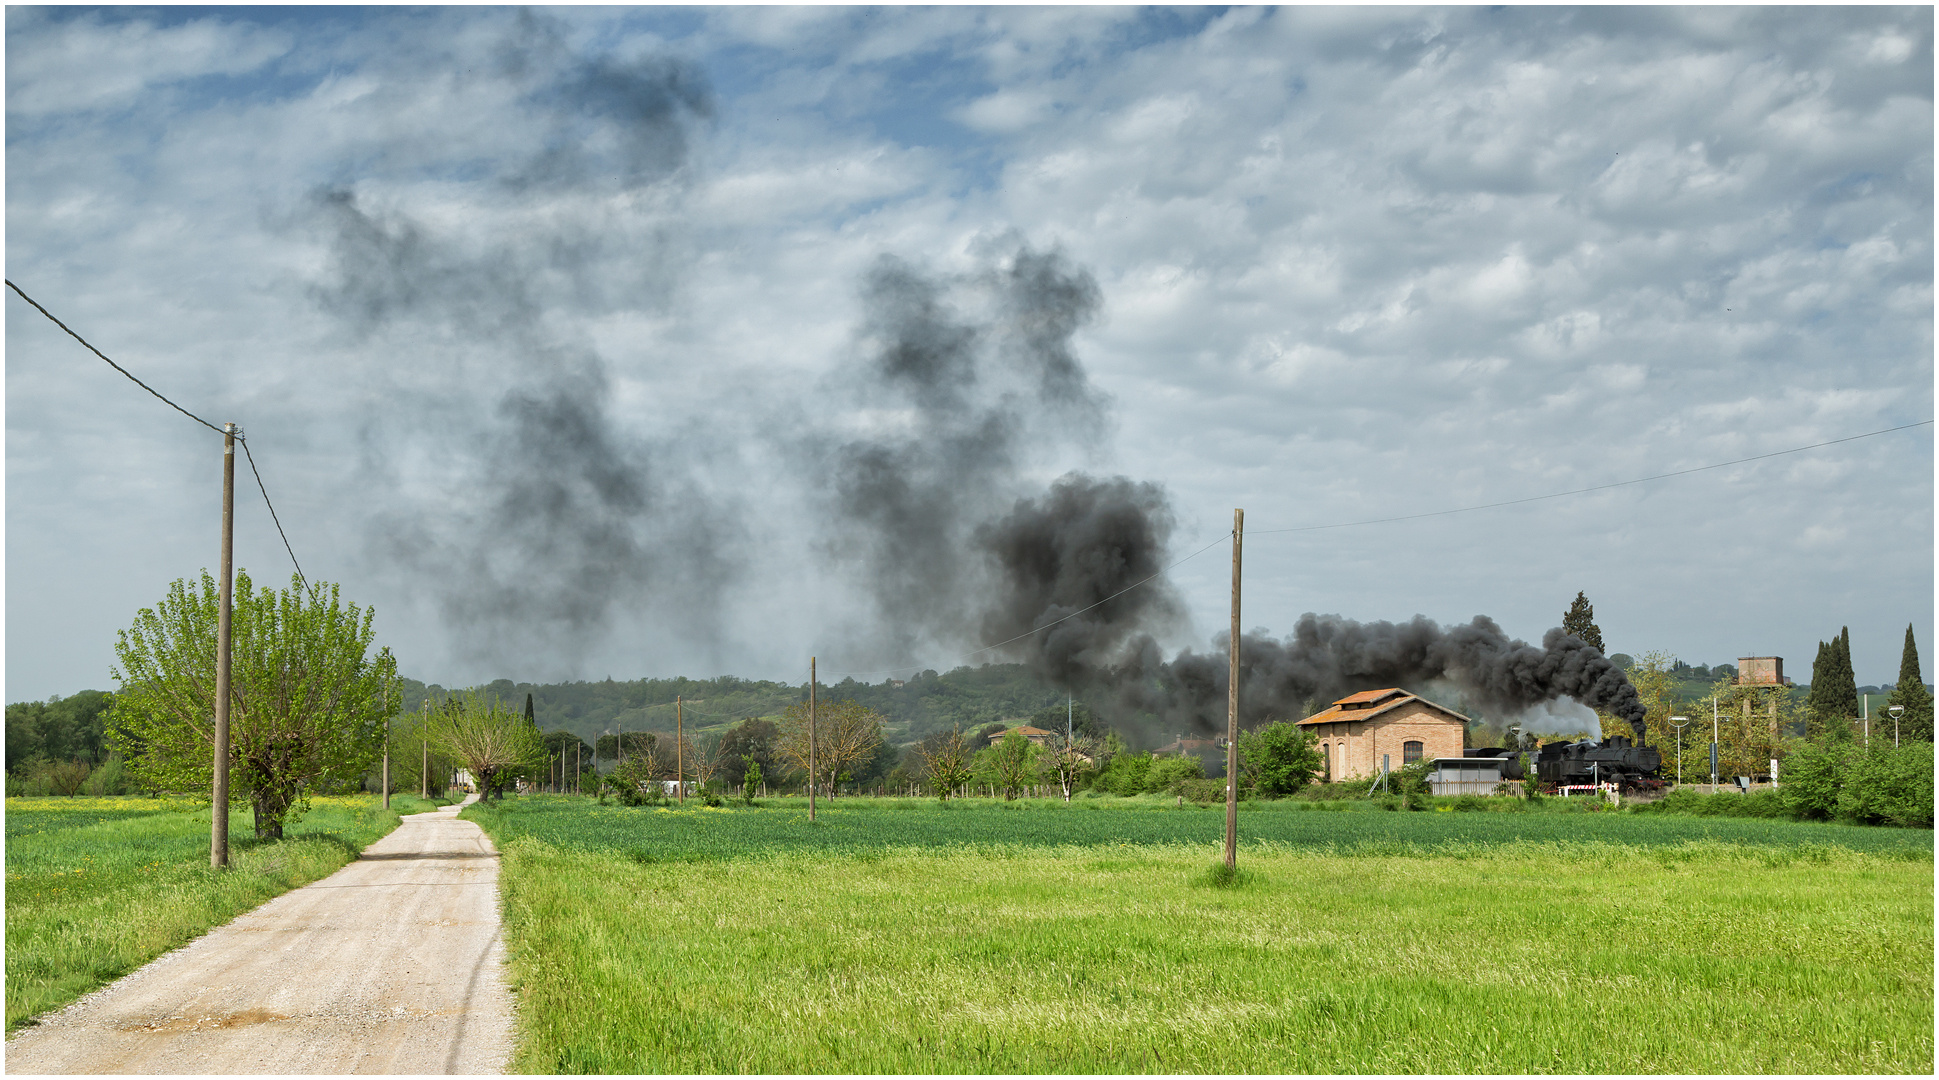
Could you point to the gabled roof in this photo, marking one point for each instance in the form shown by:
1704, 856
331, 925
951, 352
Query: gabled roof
1368, 704
1024, 730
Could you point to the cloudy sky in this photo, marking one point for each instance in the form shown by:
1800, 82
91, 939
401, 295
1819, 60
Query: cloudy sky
611, 341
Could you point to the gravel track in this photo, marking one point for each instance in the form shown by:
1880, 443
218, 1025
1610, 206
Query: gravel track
393, 964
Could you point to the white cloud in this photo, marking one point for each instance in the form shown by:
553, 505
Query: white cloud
86, 63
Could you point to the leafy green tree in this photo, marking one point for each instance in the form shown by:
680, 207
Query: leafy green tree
307, 705
58, 729
1012, 764
1279, 758
745, 742
1580, 620
1911, 692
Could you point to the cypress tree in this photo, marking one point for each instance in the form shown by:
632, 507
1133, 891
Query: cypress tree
1580, 620
1833, 699
1911, 692
528, 712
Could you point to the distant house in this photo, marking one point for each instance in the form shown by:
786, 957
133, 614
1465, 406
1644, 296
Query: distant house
1210, 753
1034, 734
1356, 732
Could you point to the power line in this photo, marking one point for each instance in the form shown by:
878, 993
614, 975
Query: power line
111, 363
219, 431
272, 514
1597, 487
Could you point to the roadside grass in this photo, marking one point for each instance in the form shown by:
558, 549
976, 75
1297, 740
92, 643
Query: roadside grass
98, 887
1668, 955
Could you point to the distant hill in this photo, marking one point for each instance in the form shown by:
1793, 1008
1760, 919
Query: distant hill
964, 698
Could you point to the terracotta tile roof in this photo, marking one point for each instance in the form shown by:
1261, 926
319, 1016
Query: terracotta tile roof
1383, 701
1024, 730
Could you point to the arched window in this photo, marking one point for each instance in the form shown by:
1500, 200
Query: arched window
1326, 760
1410, 752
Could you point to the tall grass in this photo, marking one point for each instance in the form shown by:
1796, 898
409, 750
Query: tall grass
98, 887
1692, 955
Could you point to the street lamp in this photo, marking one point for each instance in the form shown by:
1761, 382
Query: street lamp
1896, 711
1679, 723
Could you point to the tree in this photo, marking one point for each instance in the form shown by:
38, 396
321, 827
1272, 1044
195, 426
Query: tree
1580, 620
490, 741
947, 764
1279, 758
1070, 760
58, 729
1012, 763
1833, 701
1911, 692
750, 740
846, 735
565, 755
307, 699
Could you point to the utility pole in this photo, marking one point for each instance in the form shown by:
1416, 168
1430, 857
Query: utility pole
1232, 706
386, 776
1713, 746
811, 739
679, 750
219, 805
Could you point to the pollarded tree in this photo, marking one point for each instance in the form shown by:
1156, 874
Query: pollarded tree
490, 741
1580, 620
846, 735
307, 697
1911, 692
1069, 760
946, 764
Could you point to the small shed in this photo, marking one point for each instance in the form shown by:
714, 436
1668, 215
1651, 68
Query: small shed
1466, 775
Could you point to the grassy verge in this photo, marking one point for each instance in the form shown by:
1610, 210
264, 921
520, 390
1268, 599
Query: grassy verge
98, 887
1688, 955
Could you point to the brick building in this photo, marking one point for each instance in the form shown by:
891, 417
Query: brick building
1357, 729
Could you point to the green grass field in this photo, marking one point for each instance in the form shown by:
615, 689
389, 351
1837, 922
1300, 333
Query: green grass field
906, 936
98, 887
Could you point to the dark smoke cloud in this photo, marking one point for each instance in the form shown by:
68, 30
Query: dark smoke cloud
939, 518
969, 380
1327, 657
549, 517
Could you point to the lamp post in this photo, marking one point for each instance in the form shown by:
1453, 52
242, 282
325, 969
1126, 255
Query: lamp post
1679, 723
1896, 711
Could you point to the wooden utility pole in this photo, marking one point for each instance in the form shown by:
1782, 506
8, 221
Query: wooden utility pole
219, 806
1232, 706
679, 749
424, 773
386, 776
811, 738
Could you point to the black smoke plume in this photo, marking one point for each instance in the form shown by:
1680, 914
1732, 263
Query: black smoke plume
536, 516
967, 381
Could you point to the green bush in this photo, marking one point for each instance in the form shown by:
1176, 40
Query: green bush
1164, 773
1201, 791
1125, 775
1769, 805
1812, 774
1280, 758
1888, 785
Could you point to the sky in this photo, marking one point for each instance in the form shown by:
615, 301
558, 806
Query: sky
623, 342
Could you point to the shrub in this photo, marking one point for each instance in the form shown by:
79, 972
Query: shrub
1125, 775
1166, 772
1200, 791
1412, 784
1280, 758
1888, 785
1812, 775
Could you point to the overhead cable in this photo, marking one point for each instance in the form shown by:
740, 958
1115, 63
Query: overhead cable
237, 433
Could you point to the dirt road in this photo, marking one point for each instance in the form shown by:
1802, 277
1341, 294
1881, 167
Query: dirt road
390, 965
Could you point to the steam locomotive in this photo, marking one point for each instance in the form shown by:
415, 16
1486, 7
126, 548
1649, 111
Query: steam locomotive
1615, 760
